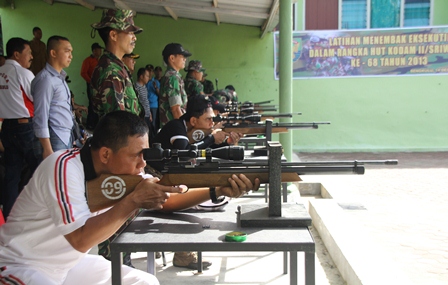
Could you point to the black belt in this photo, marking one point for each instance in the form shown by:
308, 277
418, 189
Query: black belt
19, 121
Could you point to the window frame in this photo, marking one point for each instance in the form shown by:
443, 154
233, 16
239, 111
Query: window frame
368, 11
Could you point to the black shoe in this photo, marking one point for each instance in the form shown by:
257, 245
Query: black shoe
127, 259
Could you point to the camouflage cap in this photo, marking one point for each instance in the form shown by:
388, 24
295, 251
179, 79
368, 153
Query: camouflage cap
195, 65
222, 95
121, 20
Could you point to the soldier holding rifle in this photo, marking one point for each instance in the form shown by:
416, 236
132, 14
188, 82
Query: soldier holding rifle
51, 229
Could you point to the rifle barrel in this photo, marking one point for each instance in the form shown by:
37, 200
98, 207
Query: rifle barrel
337, 163
301, 168
264, 102
344, 162
281, 115
203, 177
281, 127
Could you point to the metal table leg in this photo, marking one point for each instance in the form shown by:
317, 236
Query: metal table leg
293, 268
310, 269
151, 262
116, 263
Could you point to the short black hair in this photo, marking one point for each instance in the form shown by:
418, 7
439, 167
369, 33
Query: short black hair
150, 66
15, 44
197, 105
104, 34
36, 29
53, 42
158, 68
141, 71
114, 129
165, 59
230, 87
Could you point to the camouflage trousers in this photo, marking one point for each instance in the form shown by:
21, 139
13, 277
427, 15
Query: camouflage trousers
104, 247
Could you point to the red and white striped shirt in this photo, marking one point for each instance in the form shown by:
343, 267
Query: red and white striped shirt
15, 91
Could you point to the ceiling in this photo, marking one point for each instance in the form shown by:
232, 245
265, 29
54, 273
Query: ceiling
258, 13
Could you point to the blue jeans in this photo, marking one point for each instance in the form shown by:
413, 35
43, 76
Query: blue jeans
18, 140
56, 144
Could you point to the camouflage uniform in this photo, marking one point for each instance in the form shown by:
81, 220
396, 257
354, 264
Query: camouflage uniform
172, 92
193, 87
112, 87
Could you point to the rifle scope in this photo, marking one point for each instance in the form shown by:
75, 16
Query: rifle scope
226, 152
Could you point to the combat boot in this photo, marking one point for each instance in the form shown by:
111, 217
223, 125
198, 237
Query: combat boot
189, 260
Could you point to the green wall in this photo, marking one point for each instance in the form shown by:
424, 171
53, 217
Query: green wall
366, 114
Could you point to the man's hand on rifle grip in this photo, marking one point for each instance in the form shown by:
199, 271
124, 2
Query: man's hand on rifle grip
150, 195
234, 138
220, 136
240, 185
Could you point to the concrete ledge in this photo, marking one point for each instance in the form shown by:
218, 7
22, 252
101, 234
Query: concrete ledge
358, 258
313, 189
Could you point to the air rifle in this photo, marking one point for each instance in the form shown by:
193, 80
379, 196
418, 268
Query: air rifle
266, 128
249, 107
253, 118
105, 190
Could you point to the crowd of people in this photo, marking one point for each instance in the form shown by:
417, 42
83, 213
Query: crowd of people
49, 227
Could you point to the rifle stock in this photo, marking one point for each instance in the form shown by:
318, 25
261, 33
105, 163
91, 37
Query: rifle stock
106, 190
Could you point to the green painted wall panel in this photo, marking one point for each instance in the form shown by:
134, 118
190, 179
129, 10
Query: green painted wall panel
366, 114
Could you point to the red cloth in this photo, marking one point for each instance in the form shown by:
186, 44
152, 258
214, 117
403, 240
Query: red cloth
2, 219
88, 65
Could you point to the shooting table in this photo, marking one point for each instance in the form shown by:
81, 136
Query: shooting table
205, 231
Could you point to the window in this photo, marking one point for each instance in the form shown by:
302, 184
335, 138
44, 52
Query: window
366, 14
417, 13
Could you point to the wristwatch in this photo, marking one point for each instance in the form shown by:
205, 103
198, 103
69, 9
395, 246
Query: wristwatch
215, 200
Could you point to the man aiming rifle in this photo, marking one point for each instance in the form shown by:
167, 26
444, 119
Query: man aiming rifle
199, 115
51, 229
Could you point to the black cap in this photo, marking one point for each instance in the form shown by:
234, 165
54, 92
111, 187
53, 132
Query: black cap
174, 48
230, 87
216, 105
132, 55
96, 45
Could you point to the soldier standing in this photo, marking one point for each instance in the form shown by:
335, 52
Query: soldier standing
111, 83
173, 98
193, 85
111, 80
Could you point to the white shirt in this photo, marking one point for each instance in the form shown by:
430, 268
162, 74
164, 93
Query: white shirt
52, 205
15, 91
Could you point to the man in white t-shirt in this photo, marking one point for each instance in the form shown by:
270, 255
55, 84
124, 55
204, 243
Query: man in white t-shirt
17, 110
51, 229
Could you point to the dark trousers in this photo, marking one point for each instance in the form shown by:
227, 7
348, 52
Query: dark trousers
92, 117
155, 121
18, 140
